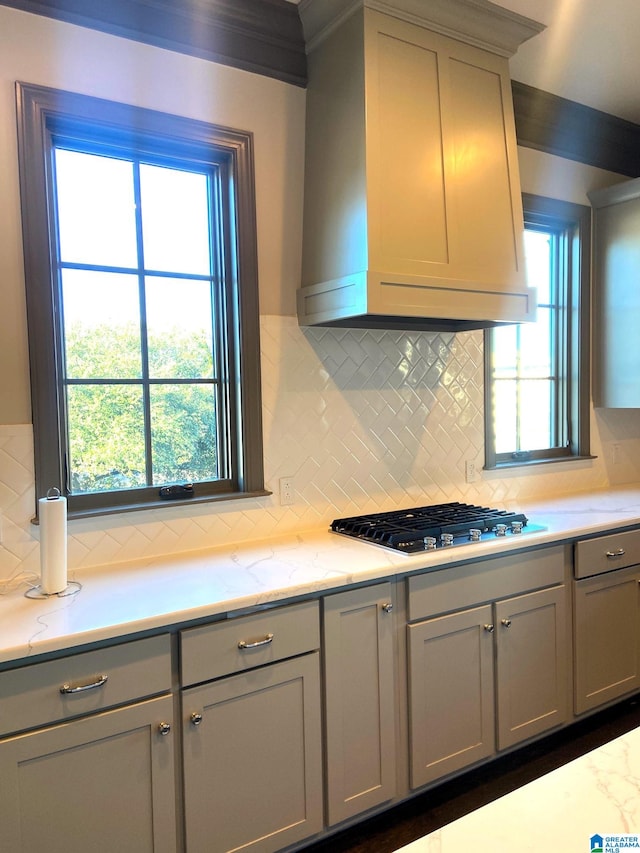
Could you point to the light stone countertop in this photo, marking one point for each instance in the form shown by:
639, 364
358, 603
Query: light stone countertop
597, 794
119, 600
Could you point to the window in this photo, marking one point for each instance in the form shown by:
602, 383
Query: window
140, 262
537, 375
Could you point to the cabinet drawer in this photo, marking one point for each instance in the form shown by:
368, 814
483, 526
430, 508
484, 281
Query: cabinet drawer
606, 553
475, 583
238, 644
45, 693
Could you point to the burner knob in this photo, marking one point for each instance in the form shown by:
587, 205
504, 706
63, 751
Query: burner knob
516, 527
475, 534
429, 543
501, 529
446, 538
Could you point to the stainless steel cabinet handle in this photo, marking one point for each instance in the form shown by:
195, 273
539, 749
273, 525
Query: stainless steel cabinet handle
196, 718
388, 607
506, 623
80, 688
164, 728
253, 644
618, 553
489, 628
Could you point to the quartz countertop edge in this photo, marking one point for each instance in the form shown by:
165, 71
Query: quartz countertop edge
120, 600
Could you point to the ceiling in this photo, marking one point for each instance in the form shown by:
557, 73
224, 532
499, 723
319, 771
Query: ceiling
588, 52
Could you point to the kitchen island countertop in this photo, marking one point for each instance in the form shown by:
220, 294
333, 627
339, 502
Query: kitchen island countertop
118, 600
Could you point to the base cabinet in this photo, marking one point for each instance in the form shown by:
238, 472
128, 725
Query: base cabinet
451, 697
99, 784
532, 665
489, 676
87, 755
360, 700
607, 637
252, 750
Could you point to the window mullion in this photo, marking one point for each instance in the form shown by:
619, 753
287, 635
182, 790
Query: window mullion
144, 342
223, 321
559, 354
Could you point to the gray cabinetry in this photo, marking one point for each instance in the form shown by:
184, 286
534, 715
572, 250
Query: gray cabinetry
87, 776
451, 693
412, 196
252, 731
607, 619
360, 695
532, 664
488, 676
616, 296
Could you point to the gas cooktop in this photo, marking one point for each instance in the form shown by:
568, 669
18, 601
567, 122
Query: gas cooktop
428, 528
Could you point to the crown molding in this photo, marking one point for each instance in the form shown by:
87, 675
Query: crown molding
477, 22
266, 37
262, 36
567, 129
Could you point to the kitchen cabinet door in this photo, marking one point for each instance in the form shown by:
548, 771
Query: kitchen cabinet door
607, 637
451, 698
102, 784
532, 660
253, 759
360, 700
616, 295
434, 100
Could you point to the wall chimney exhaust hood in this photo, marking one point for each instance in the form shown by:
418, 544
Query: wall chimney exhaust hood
413, 210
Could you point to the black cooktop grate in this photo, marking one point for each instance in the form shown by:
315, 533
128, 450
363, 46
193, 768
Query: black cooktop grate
406, 530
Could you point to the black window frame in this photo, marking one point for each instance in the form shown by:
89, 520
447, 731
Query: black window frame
45, 114
571, 223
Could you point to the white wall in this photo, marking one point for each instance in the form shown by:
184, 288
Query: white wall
362, 420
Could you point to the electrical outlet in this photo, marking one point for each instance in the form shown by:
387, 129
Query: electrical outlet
470, 471
286, 491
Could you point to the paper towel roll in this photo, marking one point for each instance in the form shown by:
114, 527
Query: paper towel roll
52, 513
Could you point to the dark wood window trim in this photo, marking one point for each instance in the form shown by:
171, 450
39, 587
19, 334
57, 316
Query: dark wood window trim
39, 110
263, 36
575, 219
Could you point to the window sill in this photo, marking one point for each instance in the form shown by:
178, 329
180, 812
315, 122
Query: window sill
164, 504
528, 463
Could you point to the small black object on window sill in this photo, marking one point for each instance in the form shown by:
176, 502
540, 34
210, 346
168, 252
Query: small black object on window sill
176, 492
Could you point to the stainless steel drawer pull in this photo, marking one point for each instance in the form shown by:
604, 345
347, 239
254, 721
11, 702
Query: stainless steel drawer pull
506, 623
164, 728
196, 718
80, 688
388, 607
618, 553
253, 644
489, 628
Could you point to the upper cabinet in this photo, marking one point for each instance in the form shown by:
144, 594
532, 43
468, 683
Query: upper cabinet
413, 212
616, 295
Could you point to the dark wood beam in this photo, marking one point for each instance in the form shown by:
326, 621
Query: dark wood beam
263, 36
266, 37
558, 126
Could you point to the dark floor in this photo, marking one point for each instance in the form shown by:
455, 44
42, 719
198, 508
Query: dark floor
451, 800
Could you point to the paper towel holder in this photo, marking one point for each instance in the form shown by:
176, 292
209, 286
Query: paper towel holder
71, 588
57, 584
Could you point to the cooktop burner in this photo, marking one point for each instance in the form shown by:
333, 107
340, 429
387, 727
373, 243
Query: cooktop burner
430, 527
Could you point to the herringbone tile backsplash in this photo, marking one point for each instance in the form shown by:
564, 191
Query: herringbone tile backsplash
361, 420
